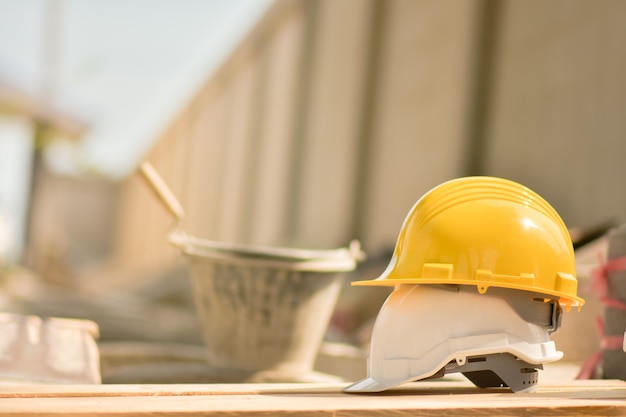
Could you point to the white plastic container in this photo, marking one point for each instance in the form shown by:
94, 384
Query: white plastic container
52, 350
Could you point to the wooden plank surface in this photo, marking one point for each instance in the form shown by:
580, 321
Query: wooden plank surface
590, 398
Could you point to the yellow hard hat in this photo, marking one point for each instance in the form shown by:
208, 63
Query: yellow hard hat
485, 231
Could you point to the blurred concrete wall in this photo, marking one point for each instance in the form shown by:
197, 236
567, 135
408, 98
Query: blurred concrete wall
333, 117
325, 125
554, 111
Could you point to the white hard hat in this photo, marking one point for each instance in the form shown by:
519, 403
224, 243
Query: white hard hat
495, 339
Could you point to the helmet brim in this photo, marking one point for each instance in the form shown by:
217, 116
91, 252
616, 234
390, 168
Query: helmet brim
482, 286
372, 385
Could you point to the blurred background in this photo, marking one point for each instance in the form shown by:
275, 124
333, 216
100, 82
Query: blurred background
288, 123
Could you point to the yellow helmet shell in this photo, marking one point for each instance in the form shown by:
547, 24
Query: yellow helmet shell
485, 231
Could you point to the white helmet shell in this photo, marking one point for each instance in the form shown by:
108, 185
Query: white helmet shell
425, 331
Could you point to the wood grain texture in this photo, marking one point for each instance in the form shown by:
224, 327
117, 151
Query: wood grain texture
589, 398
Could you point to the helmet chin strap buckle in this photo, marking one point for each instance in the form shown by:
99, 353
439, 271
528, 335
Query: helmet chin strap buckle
495, 371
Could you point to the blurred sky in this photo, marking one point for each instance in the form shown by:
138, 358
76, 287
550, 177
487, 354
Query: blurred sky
123, 66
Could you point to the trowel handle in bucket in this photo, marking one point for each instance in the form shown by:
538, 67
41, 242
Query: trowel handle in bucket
162, 191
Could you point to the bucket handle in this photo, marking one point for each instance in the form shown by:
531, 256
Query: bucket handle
167, 198
178, 237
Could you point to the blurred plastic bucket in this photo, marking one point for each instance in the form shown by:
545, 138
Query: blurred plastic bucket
265, 309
